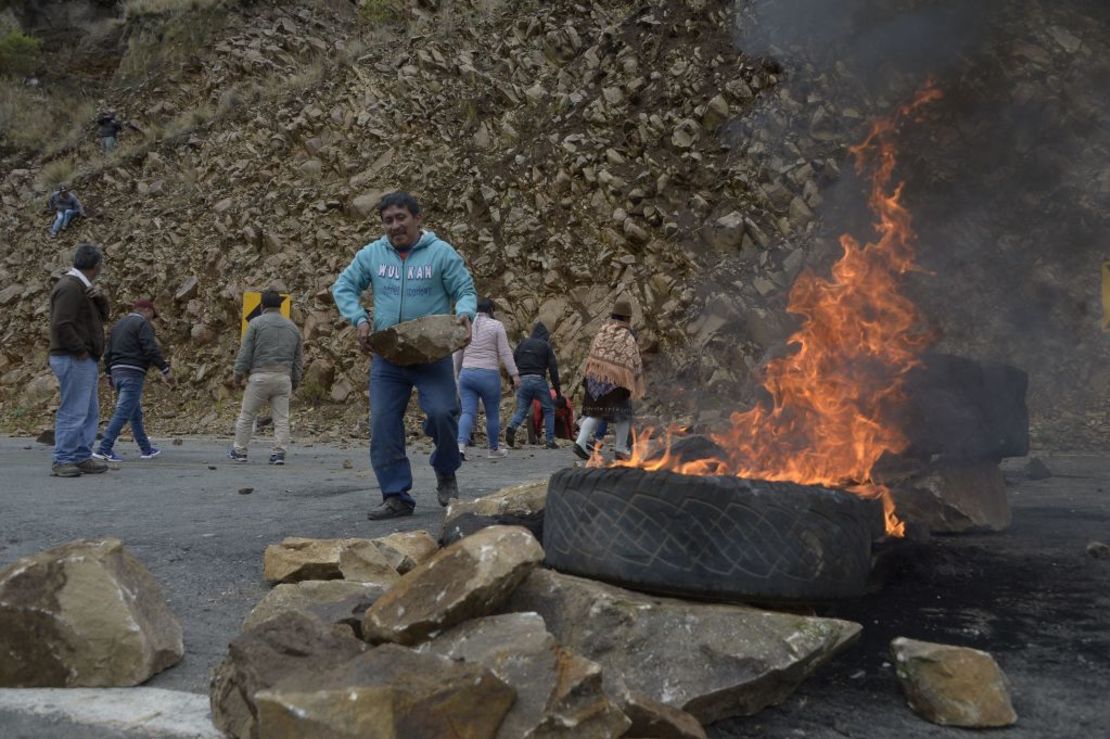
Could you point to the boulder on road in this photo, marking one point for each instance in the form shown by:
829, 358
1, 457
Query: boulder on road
84, 614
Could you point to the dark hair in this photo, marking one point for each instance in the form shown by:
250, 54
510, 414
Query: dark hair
485, 305
401, 199
87, 256
271, 299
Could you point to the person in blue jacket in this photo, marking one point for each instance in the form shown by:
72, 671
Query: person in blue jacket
412, 274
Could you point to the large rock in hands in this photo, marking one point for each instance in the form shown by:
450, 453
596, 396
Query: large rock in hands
419, 341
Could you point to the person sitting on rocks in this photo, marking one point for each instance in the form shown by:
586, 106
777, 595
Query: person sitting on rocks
412, 274
535, 359
66, 206
269, 365
614, 377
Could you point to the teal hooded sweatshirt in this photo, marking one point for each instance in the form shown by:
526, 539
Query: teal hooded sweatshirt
423, 284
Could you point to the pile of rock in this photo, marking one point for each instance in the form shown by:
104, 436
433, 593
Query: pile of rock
478, 635
397, 637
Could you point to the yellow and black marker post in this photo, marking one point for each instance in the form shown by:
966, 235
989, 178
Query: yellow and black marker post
252, 307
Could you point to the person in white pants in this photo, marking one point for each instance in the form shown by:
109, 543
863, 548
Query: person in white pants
269, 365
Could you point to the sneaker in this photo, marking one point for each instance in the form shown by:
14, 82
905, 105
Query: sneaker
92, 466
551, 445
447, 487
277, 458
64, 470
510, 436
580, 452
497, 453
462, 452
109, 456
236, 456
154, 452
391, 507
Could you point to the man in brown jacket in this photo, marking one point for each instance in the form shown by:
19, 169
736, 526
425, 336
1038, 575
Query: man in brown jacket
77, 313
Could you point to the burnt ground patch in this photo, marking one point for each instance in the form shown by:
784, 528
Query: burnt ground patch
1031, 596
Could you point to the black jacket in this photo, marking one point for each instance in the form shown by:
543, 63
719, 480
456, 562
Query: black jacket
131, 344
108, 126
534, 356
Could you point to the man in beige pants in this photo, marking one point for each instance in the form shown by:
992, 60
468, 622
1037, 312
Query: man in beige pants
269, 364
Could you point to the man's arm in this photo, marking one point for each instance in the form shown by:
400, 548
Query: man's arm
77, 202
553, 368
347, 292
246, 352
109, 355
459, 285
151, 351
99, 301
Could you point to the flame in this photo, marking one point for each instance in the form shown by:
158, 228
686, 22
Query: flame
831, 415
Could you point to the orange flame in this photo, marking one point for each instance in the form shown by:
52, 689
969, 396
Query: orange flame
833, 400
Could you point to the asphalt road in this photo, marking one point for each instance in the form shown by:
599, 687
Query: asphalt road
1031, 596
182, 515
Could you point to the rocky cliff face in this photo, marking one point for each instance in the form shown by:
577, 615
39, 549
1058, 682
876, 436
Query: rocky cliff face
571, 152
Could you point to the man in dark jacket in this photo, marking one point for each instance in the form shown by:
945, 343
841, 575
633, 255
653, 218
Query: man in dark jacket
77, 313
534, 359
132, 349
108, 128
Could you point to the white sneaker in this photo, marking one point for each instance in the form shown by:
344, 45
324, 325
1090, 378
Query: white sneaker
497, 453
462, 452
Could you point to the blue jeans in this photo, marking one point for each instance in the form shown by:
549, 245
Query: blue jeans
108, 144
484, 384
534, 387
79, 412
62, 219
129, 409
390, 388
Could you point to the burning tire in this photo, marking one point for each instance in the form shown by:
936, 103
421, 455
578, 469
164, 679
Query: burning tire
712, 538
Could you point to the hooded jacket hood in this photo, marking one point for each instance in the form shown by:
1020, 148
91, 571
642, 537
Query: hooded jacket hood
539, 331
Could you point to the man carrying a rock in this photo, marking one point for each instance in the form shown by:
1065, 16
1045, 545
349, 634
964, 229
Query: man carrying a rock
412, 274
132, 349
77, 313
269, 365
